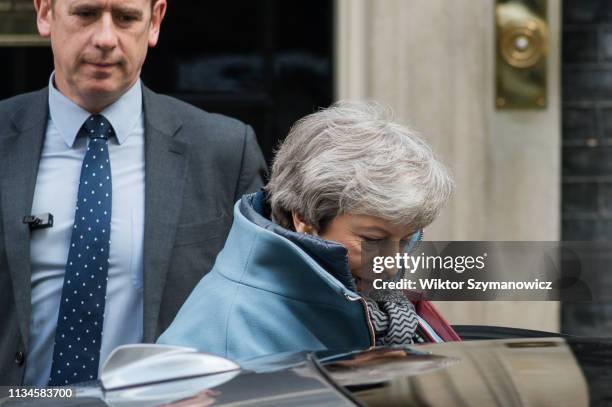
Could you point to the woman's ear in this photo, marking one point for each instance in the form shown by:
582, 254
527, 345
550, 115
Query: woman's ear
301, 226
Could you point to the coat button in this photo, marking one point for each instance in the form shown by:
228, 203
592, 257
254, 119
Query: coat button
19, 358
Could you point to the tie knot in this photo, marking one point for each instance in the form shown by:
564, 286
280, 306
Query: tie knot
97, 126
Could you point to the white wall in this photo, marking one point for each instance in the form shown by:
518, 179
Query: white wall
433, 62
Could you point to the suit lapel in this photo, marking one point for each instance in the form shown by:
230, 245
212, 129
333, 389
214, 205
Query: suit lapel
21, 157
165, 163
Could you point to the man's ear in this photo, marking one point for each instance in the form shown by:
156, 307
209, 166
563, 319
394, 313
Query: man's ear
43, 16
301, 226
157, 16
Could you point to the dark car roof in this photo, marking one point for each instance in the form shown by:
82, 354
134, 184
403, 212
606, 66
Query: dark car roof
560, 371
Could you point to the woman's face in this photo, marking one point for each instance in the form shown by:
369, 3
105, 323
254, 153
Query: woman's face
353, 230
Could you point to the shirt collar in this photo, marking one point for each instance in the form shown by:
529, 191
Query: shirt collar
68, 117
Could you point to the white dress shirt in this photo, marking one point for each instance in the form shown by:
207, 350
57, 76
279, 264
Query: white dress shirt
56, 192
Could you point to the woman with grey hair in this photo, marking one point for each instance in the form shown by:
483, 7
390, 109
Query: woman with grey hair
289, 277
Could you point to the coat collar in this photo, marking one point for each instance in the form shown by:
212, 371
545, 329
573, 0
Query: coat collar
256, 256
331, 256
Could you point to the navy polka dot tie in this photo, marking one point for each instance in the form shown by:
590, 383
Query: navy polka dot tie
76, 353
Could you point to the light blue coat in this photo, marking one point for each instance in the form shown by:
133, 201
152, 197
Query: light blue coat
267, 294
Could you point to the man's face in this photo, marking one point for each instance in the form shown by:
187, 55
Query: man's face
99, 46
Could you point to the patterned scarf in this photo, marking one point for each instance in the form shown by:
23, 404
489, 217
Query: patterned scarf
394, 322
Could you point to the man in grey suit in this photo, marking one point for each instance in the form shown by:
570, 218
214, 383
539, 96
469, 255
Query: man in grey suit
141, 187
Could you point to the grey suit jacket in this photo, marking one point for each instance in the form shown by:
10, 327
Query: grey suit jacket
197, 165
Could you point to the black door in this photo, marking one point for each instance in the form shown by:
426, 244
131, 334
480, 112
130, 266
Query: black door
266, 62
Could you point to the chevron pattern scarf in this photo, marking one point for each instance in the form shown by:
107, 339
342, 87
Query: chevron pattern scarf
395, 323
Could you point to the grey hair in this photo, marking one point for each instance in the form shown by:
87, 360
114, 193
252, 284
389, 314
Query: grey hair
351, 158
